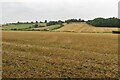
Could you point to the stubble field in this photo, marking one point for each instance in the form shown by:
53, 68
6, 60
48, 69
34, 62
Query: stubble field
59, 54
85, 28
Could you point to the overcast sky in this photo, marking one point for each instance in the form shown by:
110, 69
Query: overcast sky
40, 10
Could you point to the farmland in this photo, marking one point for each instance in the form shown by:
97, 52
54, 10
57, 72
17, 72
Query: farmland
81, 27
59, 54
85, 28
13, 26
29, 27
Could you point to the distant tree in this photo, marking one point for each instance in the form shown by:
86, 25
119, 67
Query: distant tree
54, 23
73, 20
51, 23
45, 21
82, 21
26, 22
32, 22
36, 22
18, 22
14, 29
60, 22
79, 20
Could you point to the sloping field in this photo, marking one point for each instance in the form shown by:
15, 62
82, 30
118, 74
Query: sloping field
83, 27
29, 27
18, 26
48, 28
21, 26
59, 54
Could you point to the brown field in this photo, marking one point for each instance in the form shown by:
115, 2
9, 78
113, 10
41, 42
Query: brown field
59, 54
83, 27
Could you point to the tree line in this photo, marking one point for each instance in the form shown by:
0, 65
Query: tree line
98, 22
105, 22
74, 20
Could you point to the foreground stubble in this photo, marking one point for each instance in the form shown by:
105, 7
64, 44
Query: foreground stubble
59, 54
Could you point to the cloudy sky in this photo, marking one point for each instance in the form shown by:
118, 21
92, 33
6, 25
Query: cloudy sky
40, 10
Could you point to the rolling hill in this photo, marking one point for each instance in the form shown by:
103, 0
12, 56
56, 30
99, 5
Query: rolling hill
84, 27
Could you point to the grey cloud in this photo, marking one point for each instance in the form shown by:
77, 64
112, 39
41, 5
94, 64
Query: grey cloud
58, 9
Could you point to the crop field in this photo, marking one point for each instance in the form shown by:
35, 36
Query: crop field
59, 54
85, 28
21, 26
18, 26
29, 27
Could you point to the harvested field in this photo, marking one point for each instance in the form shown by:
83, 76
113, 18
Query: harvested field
83, 27
59, 54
